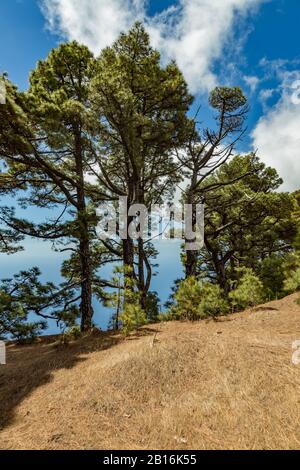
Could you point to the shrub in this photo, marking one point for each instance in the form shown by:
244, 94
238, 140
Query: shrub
249, 290
26, 333
213, 302
152, 307
126, 299
272, 275
195, 300
292, 283
132, 317
74, 332
187, 300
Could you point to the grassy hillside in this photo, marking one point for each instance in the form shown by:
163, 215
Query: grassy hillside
209, 385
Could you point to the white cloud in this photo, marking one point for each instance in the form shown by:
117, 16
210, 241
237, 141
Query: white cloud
193, 32
265, 95
252, 82
197, 35
277, 135
96, 23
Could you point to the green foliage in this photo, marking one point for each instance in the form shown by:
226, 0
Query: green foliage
249, 290
14, 125
187, 300
227, 99
72, 333
47, 140
272, 275
213, 302
292, 283
297, 241
9, 238
9, 141
291, 270
292, 263
129, 314
58, 93
14, 320
122, 117
152, 308
296, 218
24, 295
247, 220
149, 102
142, 107
132, 317
195, 300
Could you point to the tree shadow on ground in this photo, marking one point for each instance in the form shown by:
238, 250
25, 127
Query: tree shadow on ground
32, 366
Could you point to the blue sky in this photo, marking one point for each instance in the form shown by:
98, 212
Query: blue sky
250, 43
269, 32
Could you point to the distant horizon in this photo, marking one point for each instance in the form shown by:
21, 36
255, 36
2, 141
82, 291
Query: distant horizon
39, 253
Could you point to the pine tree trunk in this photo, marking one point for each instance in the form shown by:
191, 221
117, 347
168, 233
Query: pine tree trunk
219, 266
86, 309
128, 255
144, 268
128, 247
192, 255
142, 284
222, 278
191, 263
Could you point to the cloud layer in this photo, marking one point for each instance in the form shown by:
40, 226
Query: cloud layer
277, 134
193, 32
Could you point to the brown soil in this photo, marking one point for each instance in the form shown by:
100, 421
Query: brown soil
229, 384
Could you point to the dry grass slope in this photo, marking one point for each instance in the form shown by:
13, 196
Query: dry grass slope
210, 385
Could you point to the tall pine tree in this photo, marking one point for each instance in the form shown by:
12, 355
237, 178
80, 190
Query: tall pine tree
141, 108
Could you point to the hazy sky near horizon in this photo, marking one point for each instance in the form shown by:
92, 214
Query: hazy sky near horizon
249, 43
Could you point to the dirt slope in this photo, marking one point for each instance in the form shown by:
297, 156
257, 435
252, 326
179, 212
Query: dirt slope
224, 385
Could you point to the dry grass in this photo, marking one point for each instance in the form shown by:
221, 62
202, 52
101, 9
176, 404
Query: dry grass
210, 385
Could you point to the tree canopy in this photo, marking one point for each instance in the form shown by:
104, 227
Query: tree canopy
90, 130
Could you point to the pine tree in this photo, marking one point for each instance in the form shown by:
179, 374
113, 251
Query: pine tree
247, 220
46, 139
206, 151
142, 111
248, 290
10, 140
196, 300
24, 294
